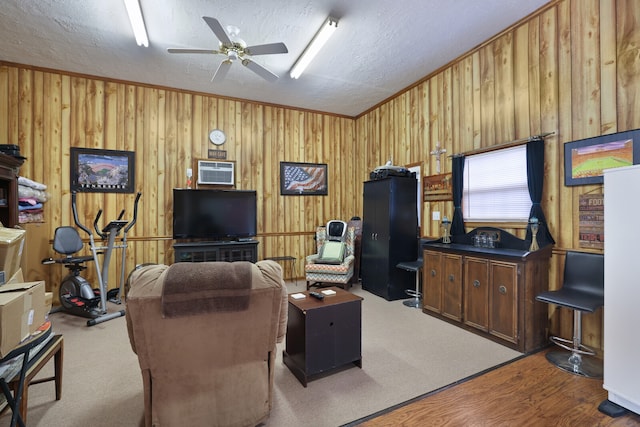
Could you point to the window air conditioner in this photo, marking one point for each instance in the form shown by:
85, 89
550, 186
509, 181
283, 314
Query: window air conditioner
215, 172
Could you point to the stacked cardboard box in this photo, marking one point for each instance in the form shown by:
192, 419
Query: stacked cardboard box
11, 246
22, 310
23, 305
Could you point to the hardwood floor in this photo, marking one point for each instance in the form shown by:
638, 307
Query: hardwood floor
527, 392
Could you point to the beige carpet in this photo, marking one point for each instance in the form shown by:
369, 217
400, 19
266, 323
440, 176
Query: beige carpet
405, 353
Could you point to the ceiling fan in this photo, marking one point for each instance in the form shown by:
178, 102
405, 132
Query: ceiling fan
234, 49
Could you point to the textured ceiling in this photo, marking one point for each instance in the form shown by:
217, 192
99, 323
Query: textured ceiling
379, 48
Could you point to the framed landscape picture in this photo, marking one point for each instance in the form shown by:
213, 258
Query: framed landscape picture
585, 160
102, 171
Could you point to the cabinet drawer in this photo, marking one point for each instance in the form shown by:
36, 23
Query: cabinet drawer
452, 286
431, 282
476, 293
504, 301
442, 282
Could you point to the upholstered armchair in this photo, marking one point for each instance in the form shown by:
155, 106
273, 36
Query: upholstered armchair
205, 335
331, 270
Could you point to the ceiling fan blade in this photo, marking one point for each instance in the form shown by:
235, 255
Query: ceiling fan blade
217, 29
178, 50
266, 49
222, 71
259, 70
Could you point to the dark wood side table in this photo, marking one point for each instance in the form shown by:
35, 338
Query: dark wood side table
323, 335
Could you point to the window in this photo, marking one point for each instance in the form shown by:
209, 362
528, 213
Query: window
495, 186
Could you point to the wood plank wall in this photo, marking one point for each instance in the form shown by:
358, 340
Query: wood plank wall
572, 68
46, 113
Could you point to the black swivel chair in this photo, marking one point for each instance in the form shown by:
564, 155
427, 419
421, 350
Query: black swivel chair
416, 267
582, 291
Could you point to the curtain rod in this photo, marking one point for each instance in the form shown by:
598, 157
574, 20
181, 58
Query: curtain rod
503, 145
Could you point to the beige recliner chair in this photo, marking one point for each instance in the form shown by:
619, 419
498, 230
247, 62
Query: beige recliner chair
205, 335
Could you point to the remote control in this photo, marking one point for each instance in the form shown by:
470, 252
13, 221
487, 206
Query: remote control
317, 295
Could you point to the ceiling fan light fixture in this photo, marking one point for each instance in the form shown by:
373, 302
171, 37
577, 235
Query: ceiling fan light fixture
328, 28
137, 22
235, 49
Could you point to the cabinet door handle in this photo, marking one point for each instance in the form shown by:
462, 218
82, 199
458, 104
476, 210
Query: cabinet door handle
433, 273
452, 277
502, 289
476, 283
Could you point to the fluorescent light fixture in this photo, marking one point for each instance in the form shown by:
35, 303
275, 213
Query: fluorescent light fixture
314, 47
137, 23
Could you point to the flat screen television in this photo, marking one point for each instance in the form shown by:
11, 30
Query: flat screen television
214, 214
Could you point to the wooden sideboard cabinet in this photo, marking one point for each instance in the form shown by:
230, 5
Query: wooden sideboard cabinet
489, 291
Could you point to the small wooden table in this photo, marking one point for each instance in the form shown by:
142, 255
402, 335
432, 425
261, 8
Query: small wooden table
19, 385
323, 335
55, 349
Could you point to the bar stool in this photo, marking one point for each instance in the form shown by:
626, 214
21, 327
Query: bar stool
416, 267
582, 291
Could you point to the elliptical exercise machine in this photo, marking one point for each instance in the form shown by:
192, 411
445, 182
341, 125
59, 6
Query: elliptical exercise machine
76, 295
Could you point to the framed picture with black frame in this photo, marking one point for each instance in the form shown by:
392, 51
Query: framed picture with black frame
303, 179
584, 160
102, 171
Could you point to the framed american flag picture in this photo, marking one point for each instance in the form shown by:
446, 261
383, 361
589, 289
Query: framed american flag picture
303, 179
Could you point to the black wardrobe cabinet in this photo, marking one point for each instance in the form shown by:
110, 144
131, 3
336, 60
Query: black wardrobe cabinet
389, 236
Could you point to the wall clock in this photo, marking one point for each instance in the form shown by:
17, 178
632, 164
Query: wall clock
217, 137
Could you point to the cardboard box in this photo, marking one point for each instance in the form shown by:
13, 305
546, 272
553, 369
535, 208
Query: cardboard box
11, 246
17, 277
22, 311
48, 302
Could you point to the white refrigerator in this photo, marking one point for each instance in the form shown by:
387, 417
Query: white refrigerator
622, 286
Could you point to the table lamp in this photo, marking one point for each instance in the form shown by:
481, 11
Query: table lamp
446, 227
533, 223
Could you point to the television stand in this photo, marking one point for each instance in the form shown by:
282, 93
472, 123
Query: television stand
241, 250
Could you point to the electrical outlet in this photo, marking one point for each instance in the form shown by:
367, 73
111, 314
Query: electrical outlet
435, 216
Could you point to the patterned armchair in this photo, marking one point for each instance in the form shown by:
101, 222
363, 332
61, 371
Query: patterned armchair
318, 273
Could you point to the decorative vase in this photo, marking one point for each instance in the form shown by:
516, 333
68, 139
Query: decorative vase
533, 223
